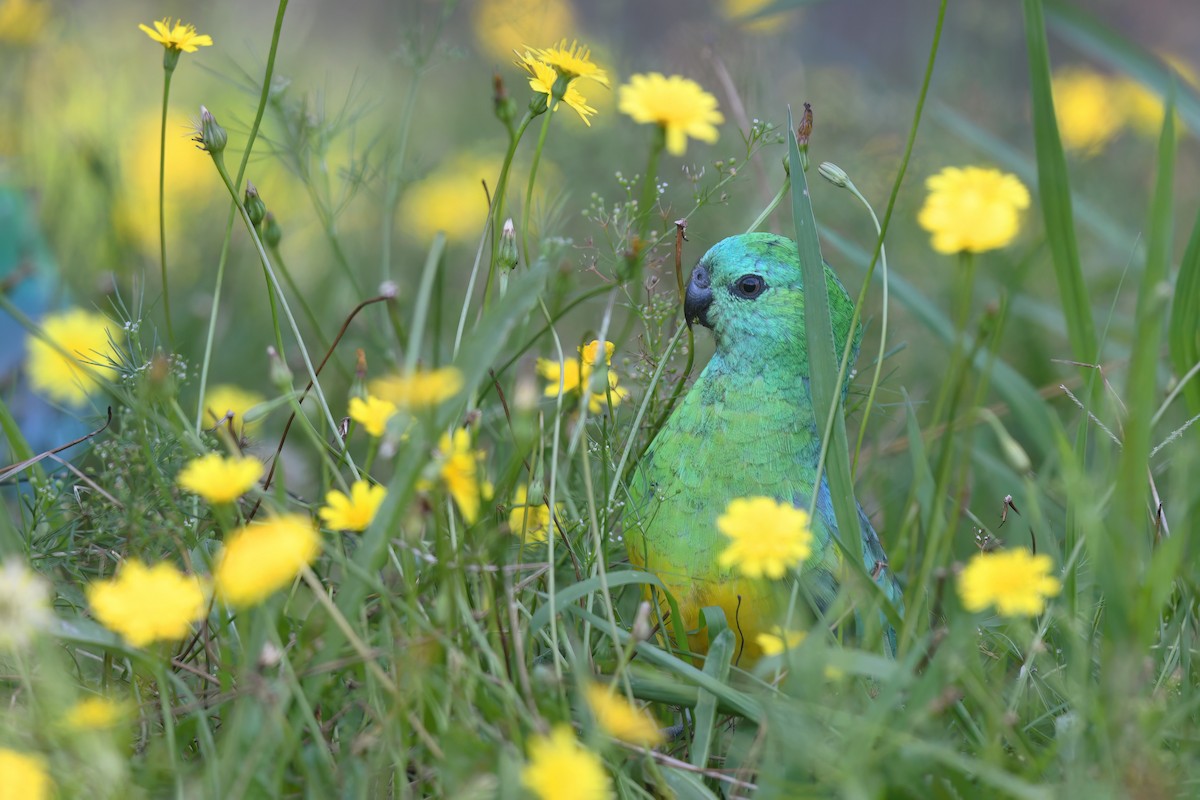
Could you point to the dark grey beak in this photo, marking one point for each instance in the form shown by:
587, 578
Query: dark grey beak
698, 298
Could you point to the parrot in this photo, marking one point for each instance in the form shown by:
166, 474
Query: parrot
746, 428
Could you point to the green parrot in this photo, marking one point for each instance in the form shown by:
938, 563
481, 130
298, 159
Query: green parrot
746, 428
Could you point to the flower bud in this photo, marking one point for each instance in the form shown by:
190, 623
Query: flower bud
641, 623
256, 209
506, 259
503, 105
211, 137
272, 232
834, 174
279, 373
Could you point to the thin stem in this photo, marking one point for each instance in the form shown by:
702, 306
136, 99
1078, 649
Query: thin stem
775, 201
162, 213
525, 211
650, 181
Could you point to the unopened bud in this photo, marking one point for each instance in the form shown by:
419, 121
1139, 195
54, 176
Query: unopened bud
211, 137
256, 209
278, 370
834, 174
272, 233
1016, 456
506, 259
641, 623
504, 106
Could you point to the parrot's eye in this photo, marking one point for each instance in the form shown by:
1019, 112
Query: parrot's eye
749, 286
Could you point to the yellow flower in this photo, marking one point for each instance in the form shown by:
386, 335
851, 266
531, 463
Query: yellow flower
229, 399
94, 714
220, 479
768, 537
571, 62
1088, 109
775, 642
148, 604
542, 80
354, 512
459, 472
23, 776
22, 21
676, 103
620, 719
373, 414
745, 14
179, 36
529, 521
24, 604
560, 768
450, 199
502, 26
972, 209
577, 376
88, 338
263, 557
1016, 582
420, 389
1141, 105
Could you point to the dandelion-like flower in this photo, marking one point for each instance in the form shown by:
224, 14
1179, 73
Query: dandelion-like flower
571, 61
228, 399
24, 605
23, 776
1017, 582
502, 26
372, 413
179, 36
576, 374
22, 21
775, 642
148, 604
220, 479
620, 719
530, 521
419, 389
355, 511
678, 104
1088, 108
261, 558
542, 80
560, 768
66, 364
768, 537
972, 209
460, 472
94, 714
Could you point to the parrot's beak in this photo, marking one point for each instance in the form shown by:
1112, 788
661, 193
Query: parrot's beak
698, 298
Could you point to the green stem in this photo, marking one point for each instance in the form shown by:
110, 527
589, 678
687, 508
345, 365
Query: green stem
650, 182
775, 201
216, 301
525, 211
497, 218
168, 71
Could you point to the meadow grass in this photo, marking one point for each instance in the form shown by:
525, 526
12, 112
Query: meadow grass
430, 653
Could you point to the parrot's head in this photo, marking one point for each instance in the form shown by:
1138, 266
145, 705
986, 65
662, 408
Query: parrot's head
749, 291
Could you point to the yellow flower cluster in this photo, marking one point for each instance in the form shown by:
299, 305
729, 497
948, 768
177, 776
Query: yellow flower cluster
554, 70
419, 389
261, 558
23, 776
679, 105
460, 472
530, 521
972, 209
768, 537
148, 604
178, 36
575, 375
372, 413
560, 768
1017, 582
221, 479
68, 361
232, 400
620, 719
1093, 108
94, 714
354, 511
775, 642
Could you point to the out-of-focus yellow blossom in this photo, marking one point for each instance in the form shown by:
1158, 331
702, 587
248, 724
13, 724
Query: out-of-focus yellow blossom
1088, 108
227, 398
502, 26
560, 768
1017, 582
420, 389
24, 605
178, 36
88, 337
23, 776
221, 479
775, 642
577, 376
373, 413
450, 199
529, 521
737, 11
355, 511
767, 537
94, 714
261, 558
148, 604
461, 473
972, 209
22, 21
679, 105
618, 718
